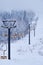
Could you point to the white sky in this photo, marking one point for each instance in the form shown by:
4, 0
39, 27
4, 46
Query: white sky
35, 5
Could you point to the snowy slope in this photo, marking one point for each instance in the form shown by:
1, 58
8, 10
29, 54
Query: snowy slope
24, 54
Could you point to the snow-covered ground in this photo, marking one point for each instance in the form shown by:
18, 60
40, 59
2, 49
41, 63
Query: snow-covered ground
24, 54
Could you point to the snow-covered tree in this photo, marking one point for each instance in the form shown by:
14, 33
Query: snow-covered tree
23, 19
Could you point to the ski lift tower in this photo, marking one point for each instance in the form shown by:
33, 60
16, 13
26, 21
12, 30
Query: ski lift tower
29, 31
8, 24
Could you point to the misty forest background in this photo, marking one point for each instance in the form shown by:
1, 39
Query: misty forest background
23, 19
